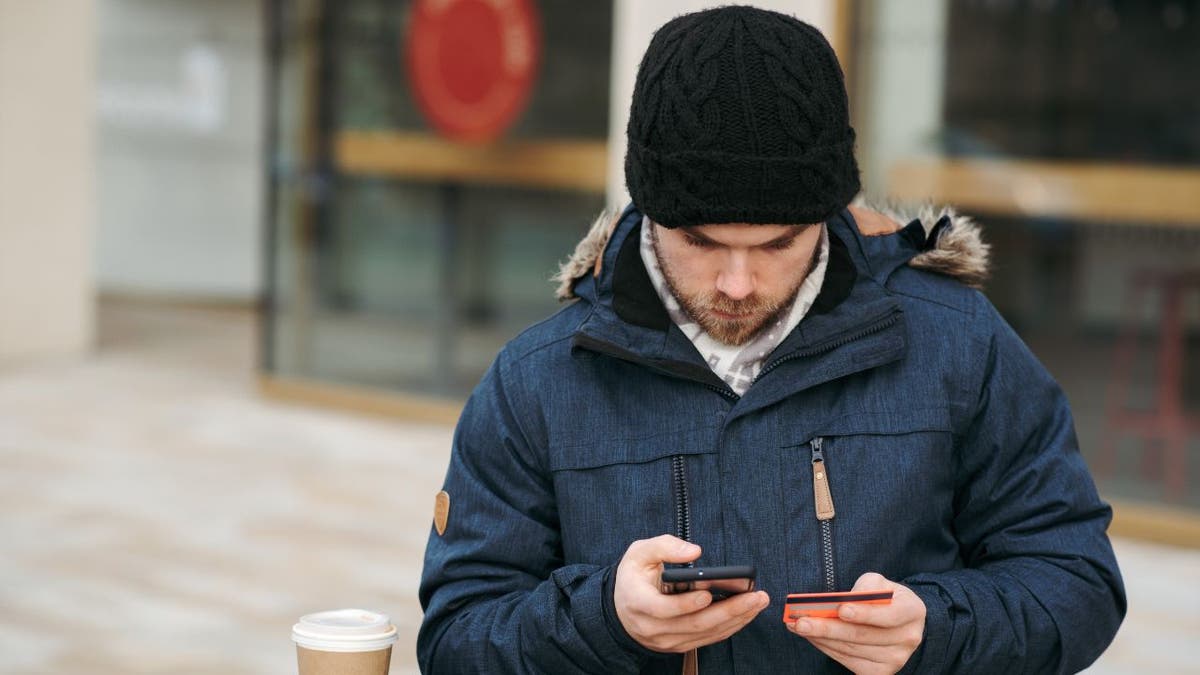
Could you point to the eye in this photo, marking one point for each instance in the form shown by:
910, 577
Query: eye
783, 245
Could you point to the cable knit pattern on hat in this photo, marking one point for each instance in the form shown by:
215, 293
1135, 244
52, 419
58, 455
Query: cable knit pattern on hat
739, 115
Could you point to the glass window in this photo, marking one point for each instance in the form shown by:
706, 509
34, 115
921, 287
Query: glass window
1068, 129
401, 259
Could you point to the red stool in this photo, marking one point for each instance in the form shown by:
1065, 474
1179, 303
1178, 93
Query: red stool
1166, 424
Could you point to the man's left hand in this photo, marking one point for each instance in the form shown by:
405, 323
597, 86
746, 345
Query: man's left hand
870, 638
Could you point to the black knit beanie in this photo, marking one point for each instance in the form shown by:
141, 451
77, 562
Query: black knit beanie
739, 115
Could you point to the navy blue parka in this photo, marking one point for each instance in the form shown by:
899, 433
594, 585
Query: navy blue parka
950, 451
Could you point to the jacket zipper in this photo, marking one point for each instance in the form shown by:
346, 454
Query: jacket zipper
683, 530
823, 497
683, 515
683, 510
823, 503
830, 346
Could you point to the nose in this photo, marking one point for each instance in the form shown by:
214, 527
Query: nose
735, 280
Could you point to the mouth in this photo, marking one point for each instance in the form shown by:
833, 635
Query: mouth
725, 316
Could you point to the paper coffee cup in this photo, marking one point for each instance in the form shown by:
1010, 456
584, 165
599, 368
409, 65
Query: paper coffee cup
345, 642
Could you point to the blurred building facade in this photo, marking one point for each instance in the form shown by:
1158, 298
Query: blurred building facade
179, 121
1068, 129
402, 256
292, 152
403, 259
131, 143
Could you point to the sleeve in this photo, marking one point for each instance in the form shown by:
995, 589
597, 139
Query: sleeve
1040, 591
496, 594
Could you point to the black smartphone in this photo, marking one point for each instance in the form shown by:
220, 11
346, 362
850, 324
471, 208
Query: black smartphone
722, 582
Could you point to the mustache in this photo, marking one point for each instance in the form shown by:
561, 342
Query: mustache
749, 305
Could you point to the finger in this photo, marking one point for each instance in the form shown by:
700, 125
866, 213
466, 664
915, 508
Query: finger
873, 581
906, 608
651, 616
668, 606
734, 612
685, 641
878, 616
661, 549
683, 633
704, 613
850, 658
872, 653
741, 607
834, 629
713, 624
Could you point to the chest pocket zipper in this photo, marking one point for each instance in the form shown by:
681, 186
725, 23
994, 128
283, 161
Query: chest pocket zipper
823, 504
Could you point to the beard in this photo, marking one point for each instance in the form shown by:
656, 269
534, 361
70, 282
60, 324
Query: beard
754, 313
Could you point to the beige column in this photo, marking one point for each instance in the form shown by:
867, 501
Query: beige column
47, 199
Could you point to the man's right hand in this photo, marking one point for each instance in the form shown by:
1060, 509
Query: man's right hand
679, 622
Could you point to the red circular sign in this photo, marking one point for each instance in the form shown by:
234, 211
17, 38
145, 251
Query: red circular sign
472, 64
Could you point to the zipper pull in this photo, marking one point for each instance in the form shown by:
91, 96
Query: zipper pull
822, 497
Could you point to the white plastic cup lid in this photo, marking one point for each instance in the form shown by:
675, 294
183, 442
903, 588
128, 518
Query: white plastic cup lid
344, 630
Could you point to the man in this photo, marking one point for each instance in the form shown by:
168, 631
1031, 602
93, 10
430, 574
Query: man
755, 374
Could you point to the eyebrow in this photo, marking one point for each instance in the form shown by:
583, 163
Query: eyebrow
787, 236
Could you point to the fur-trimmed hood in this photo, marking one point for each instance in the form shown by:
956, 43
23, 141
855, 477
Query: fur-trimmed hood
953, 246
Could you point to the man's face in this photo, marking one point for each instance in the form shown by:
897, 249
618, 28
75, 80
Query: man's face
734, 279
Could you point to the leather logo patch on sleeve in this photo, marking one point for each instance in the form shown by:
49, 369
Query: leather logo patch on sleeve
441, 511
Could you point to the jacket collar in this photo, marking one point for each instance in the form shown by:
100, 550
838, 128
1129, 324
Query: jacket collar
629, 321
636, 301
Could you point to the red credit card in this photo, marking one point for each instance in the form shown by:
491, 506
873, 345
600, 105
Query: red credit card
825, 605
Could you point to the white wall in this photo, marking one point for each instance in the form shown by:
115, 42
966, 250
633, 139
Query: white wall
46, 178
180, 110
634, 22
902, 47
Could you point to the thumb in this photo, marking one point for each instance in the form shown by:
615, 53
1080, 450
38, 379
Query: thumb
873, 581
662, 549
